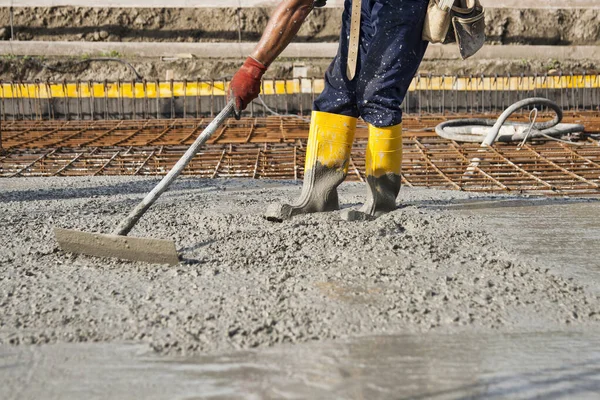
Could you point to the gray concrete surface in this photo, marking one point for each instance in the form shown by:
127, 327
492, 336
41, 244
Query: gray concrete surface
294, 50
556, 360
562, 235
247, 283
534, 365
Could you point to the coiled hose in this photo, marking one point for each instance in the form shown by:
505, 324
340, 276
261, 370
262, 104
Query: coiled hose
478, 130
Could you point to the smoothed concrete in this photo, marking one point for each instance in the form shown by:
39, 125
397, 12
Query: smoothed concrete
536, 365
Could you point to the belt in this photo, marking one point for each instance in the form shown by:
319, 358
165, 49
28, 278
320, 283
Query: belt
354, 39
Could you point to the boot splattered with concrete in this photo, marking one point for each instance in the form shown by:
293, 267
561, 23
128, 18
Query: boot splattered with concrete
383, 166
327, 157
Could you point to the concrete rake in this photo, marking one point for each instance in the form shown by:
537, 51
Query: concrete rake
118, 244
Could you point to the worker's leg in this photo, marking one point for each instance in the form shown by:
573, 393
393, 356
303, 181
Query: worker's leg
330, 138
392, 59
383, 165
326, 166
339, 93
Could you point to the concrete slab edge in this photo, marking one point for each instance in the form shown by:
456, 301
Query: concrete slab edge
294, 50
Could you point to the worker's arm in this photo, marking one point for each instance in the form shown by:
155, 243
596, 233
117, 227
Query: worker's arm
282, 27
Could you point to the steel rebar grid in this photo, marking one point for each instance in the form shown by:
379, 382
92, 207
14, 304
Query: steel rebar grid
274, 148
175, 132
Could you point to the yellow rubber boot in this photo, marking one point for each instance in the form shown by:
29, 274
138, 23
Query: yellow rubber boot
383, 168
327, 158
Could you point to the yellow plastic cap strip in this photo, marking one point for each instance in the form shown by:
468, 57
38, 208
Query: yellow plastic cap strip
139, 90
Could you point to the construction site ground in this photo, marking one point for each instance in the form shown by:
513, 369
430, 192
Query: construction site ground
447, 263
483, 283
569, 26
275, 147
505, 26
245, 282
57, 69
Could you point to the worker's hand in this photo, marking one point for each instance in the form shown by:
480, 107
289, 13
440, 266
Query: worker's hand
245, 85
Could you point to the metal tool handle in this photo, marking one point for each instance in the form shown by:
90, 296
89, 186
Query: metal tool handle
128, 223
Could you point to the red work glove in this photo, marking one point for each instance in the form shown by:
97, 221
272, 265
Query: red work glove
245, 85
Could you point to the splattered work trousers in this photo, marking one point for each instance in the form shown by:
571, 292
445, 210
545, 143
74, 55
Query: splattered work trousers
390, 51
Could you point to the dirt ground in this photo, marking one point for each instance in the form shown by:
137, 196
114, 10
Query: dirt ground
504, 26
245, 282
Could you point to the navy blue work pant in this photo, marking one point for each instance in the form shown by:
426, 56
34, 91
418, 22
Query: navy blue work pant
390, 51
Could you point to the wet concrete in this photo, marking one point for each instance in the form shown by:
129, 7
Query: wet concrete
550, 365
563, 234
450, 279
248, 283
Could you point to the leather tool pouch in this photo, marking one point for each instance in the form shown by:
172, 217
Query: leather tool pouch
463, 23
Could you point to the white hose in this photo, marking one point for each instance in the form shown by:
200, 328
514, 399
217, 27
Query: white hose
476, 129
488, 131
